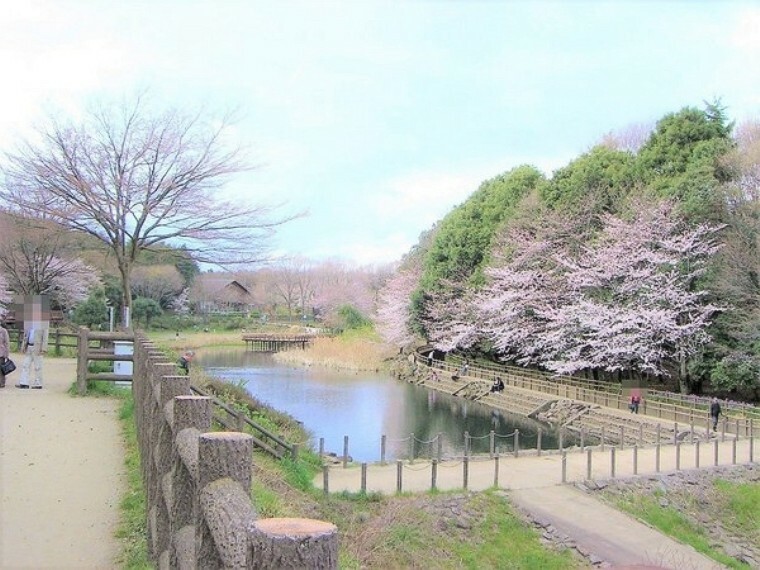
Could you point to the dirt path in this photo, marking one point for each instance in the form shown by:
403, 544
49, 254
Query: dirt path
534, 483
61, 474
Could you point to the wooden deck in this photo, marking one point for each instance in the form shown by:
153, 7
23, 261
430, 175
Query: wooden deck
260, 342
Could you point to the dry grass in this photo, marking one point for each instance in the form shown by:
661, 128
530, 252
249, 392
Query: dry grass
344, 352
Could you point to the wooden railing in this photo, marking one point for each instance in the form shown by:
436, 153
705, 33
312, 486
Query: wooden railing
589, 391
99, 346
263, 342
233, 420
57, 339
198, 483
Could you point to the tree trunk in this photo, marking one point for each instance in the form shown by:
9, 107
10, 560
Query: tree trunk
125, 269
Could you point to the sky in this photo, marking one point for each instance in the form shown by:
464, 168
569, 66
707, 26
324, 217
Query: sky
377, 118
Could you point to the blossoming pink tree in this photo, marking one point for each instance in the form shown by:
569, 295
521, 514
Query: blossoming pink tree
624, 301
394, 307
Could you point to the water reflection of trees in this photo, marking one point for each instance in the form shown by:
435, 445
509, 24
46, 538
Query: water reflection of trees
436, 412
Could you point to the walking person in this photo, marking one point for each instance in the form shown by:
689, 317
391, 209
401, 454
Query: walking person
635, 402
715, 411
5, 351
33, 347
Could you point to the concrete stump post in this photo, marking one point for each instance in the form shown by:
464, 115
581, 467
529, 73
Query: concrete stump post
345, 451
382, 449
657, 458
715, 453
399, 475
364, 478
294, 543
189, 413
588, 464
434, 474
496, 470
221, 455
465, 472
225, 454
326, 479
678, 456
564, 466
696, 454
733, 452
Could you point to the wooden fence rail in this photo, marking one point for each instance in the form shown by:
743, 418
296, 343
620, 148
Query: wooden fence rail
198, 484
577, 389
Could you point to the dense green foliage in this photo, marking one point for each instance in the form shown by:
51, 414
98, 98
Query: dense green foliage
93, 313
145, 309
462, 243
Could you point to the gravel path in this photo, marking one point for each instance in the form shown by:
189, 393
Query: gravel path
61, 474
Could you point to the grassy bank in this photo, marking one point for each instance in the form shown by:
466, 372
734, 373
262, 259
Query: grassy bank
736, 506
132, 530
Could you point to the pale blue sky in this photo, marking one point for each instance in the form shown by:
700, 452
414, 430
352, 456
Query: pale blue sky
379, 117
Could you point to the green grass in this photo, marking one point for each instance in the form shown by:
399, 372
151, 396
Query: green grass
674, 524
505, 541
741, 511
132, 531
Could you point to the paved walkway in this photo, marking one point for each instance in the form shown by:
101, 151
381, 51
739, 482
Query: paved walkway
535, 483
61, 474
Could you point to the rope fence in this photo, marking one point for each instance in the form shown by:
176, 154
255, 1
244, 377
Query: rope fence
588, 464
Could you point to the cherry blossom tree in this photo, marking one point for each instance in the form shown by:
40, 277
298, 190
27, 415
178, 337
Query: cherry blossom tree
394, 314
623, 301
451, 319
5, 295
135, 179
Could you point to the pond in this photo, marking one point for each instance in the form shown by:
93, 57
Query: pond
367, 406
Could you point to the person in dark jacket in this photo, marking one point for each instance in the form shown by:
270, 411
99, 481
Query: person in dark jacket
715, 411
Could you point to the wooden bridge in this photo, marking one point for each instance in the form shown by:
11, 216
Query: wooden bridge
261, 342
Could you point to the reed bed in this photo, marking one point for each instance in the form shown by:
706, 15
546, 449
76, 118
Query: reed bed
344, 352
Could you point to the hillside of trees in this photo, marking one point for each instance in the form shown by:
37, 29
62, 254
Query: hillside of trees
638, 259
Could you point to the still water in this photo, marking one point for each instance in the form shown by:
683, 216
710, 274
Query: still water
365, 406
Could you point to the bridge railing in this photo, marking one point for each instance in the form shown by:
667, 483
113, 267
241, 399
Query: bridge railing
565, 387
197, 484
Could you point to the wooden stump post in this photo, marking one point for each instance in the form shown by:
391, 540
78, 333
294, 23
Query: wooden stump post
294, 543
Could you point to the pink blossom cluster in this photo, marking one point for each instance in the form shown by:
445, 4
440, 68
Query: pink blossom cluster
566, 298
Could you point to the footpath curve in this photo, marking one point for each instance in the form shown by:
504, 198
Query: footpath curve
61, 474
533, 483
